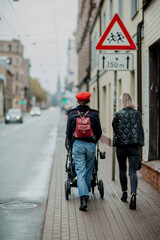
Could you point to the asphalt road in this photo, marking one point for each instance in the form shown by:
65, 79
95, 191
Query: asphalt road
26, 158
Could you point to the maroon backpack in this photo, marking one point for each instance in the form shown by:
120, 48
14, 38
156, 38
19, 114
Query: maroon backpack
83, 126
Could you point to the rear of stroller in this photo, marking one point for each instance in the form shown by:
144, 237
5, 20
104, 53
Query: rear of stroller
72, 177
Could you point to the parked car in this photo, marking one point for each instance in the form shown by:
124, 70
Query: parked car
14, 115
51, 108
35, 111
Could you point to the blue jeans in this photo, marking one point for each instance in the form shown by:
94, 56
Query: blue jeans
84, 157
133, 155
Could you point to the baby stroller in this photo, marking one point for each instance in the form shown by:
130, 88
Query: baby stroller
72, 177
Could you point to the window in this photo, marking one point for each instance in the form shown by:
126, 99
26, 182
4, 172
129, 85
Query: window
16, 76
16, 90
104, 102
134, 38
109, 110
17, 61
119, 92
17, 49
121, 9
104, 27
111, 9
94, 59
9, 61
9, 48
132, 84
104, 22
134, 8
94, 97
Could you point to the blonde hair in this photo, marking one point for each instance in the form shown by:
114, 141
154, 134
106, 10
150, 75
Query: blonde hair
127, 101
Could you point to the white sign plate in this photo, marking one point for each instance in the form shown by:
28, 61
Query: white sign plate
116, 61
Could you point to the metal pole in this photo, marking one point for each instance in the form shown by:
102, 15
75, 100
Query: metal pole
98, 103
113, 163
114, 110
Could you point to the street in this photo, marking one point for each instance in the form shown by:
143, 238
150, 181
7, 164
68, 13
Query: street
103, 56
26, 158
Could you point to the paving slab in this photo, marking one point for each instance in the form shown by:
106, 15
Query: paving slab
106, 218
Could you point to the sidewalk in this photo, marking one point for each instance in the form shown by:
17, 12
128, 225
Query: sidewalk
1, 119
107, 218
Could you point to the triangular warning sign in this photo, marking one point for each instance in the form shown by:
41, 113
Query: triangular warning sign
116, 37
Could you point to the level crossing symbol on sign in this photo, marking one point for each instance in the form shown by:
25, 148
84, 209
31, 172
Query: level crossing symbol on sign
116, 37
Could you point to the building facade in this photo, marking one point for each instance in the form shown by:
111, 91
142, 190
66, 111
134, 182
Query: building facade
107, 86
151, 86
142, 20
25, 83
13, 50
71, 66
152, 79
86, 13
1, 98
6, 77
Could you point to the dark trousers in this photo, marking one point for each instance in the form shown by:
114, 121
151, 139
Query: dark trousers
132, 152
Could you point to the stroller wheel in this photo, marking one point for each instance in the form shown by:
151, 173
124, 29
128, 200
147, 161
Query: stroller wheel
101, 188
67, 189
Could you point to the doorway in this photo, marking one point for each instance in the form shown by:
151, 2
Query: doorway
154, 101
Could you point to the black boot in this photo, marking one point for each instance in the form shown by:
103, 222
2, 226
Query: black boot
124, 197
83, 205
132, 204
87, 198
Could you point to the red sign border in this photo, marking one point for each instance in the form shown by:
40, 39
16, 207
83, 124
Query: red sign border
132, 45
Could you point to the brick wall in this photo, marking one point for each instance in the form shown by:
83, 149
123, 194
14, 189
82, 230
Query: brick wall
151, 174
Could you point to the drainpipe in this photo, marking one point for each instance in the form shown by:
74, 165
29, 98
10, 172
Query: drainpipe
98, 107
100, 24
139, 66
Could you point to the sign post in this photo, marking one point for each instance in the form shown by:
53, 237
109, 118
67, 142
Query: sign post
115, 37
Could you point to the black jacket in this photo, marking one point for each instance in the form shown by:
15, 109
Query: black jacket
95, 123
127, 127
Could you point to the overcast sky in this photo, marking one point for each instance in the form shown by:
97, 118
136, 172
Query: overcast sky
43, 27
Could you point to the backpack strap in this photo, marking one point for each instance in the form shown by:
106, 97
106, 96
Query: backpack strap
79, 114
84, 114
